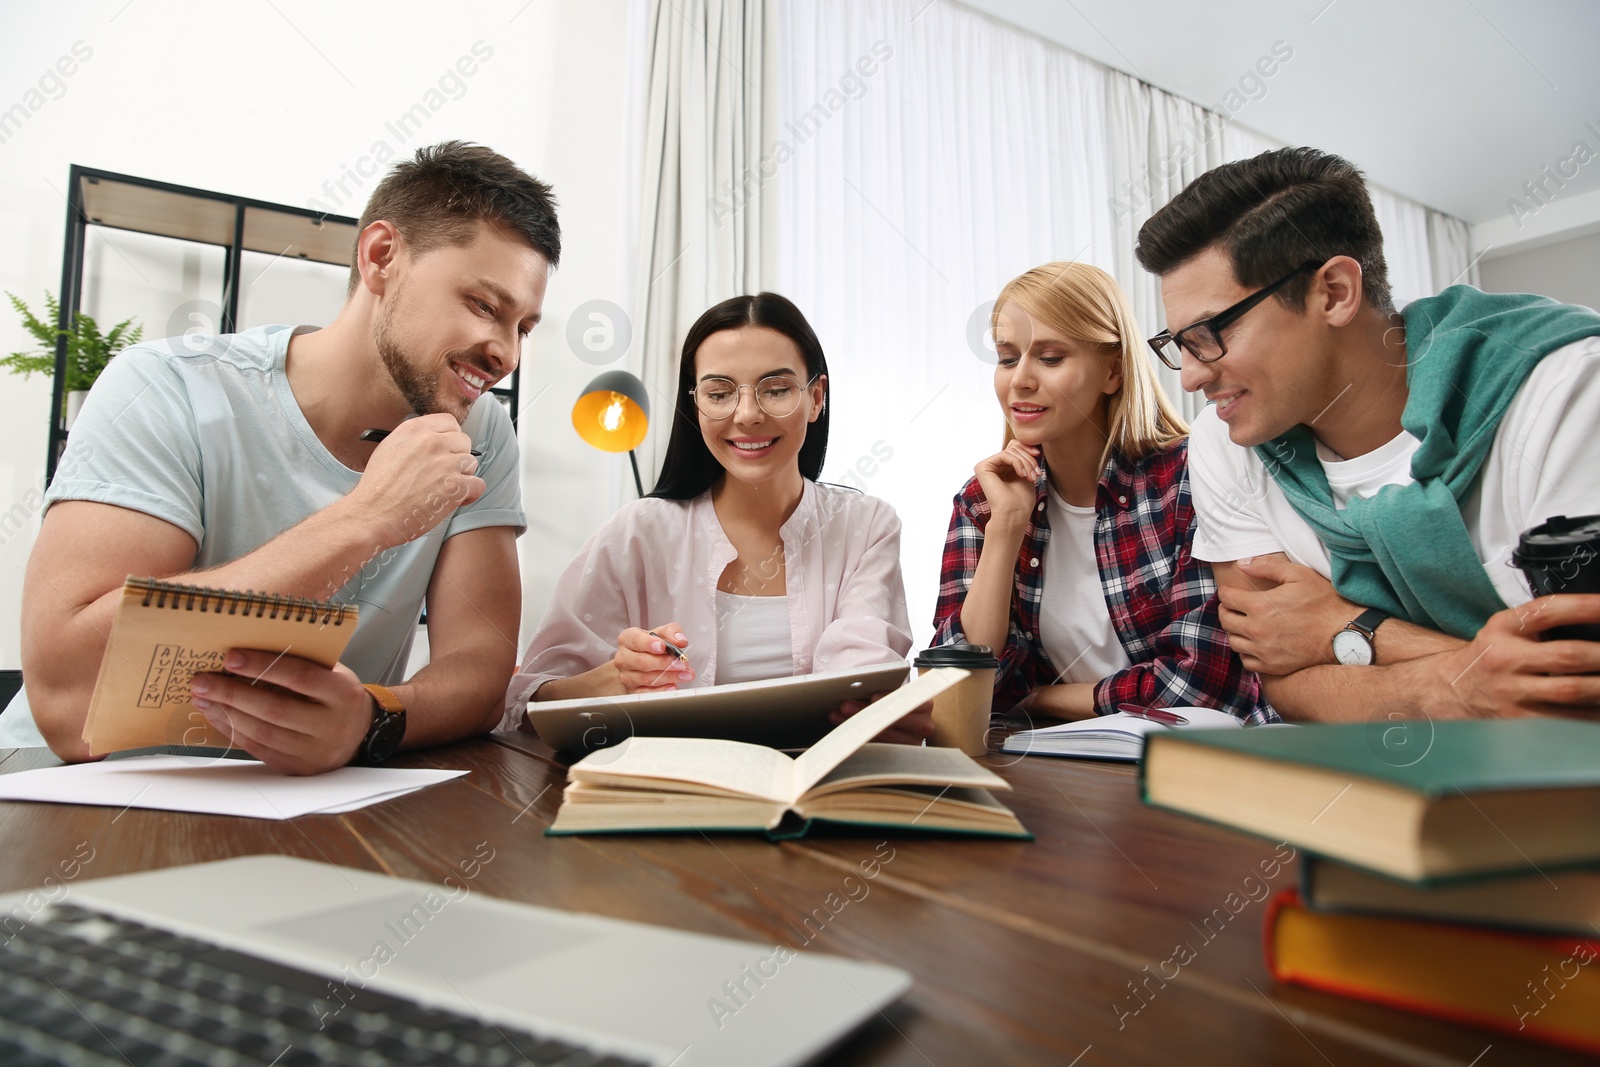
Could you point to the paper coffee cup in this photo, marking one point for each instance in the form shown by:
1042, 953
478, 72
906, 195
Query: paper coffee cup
961, 713
1562, 555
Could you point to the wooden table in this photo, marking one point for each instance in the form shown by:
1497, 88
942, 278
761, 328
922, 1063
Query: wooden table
1022, 953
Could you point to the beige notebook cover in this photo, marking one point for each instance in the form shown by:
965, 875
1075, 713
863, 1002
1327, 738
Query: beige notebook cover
165, 633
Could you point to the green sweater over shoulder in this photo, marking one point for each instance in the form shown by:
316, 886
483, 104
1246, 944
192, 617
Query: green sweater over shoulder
1406, 549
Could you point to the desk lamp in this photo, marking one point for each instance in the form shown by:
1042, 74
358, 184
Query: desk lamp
613, 414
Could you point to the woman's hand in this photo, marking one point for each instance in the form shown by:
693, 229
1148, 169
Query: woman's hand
1064, 700
643, 663
913, 729
1008, 480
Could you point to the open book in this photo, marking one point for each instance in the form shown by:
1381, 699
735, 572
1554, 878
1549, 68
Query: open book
1119, 736
698, 784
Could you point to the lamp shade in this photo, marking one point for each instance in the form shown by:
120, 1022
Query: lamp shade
613, 413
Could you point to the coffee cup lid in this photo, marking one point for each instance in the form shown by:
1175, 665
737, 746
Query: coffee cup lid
972, 657
1556, 537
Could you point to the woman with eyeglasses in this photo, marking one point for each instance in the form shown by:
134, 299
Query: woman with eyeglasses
739, 559
1069, 549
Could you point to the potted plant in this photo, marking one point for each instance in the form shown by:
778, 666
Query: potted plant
88, 350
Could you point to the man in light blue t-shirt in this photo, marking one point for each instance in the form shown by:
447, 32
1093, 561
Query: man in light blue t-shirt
237, 462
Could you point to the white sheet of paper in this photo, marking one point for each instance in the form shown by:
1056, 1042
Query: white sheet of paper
215, 787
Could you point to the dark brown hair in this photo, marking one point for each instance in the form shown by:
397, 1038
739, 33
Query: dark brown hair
437, 198
689, 468
1270, 214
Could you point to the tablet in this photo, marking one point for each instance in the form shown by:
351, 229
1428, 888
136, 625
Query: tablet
779, 712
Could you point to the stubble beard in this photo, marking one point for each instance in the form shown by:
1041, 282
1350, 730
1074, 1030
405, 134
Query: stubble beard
419, 390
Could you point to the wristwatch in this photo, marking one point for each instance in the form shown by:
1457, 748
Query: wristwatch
1353, 644
387, 730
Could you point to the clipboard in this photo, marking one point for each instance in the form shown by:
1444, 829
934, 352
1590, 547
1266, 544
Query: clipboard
787, 712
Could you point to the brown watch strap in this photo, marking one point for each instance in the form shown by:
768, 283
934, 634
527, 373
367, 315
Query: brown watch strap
386, 699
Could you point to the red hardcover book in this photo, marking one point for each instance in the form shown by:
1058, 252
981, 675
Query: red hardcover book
1541, 987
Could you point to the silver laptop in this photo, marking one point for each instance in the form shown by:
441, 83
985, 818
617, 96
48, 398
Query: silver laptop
400, 969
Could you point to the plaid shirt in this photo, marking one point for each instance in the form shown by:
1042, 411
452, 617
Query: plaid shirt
1163, 602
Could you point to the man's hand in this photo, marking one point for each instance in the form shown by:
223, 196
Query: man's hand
1008, 480
1506, 671
417, 477
1287, 622
915, 728
643, 663
313, 720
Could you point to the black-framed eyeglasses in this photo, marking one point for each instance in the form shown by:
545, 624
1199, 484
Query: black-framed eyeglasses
1203, 339
776, 394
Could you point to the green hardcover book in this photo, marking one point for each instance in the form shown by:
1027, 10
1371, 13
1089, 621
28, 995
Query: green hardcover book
1551, 900
1417, 800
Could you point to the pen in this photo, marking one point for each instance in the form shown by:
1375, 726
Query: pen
1160, 715
376, 435
674, 649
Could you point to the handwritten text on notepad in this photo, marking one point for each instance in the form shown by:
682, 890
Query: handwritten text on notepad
172, 668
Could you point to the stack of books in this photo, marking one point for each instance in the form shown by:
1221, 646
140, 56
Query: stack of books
1452, 868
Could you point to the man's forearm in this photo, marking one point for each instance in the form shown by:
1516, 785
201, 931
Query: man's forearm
458, 695
1338, 693
1398, 641
65, 637
314, 559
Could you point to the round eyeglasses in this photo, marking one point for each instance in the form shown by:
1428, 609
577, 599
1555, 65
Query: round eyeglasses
777, 394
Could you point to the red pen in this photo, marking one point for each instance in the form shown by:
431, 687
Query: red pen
1160, 715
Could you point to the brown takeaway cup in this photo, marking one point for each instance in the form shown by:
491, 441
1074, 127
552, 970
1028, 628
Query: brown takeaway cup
961, 713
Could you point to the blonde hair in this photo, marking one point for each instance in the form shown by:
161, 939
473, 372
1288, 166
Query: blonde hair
1086, 304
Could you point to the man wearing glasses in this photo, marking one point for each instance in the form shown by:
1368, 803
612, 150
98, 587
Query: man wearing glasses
1363, 476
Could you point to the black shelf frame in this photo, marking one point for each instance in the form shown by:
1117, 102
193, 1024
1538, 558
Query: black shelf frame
81, 180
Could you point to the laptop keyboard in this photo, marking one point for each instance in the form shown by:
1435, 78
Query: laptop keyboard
83, 987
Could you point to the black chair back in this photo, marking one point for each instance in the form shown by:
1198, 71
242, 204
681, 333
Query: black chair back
10, 682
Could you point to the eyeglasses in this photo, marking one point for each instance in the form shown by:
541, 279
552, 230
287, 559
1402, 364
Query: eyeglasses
776, 394
1203, 340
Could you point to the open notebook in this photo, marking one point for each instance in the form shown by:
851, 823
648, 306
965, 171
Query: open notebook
1119, 736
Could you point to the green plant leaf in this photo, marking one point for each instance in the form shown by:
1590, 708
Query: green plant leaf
88, 351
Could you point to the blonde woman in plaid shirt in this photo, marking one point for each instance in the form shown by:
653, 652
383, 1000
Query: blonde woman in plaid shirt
1069, 550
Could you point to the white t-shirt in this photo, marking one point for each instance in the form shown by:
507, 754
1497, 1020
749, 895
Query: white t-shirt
1545, 461
753, 639
1074, 622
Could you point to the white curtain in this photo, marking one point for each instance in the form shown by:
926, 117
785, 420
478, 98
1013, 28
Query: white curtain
1450, 245
1159, 143
706, 216
1241, 142
926, 155
935, 155
1405, 245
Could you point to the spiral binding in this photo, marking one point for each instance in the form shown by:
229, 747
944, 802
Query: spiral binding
264, 605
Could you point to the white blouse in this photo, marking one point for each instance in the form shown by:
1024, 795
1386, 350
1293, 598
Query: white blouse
658, 561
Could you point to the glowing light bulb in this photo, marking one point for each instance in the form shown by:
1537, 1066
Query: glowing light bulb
614, 415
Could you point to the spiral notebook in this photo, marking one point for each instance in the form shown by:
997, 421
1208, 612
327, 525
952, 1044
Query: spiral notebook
165, 633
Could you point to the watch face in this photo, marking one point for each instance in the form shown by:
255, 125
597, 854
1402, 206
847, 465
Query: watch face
384, 737
1352, 649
